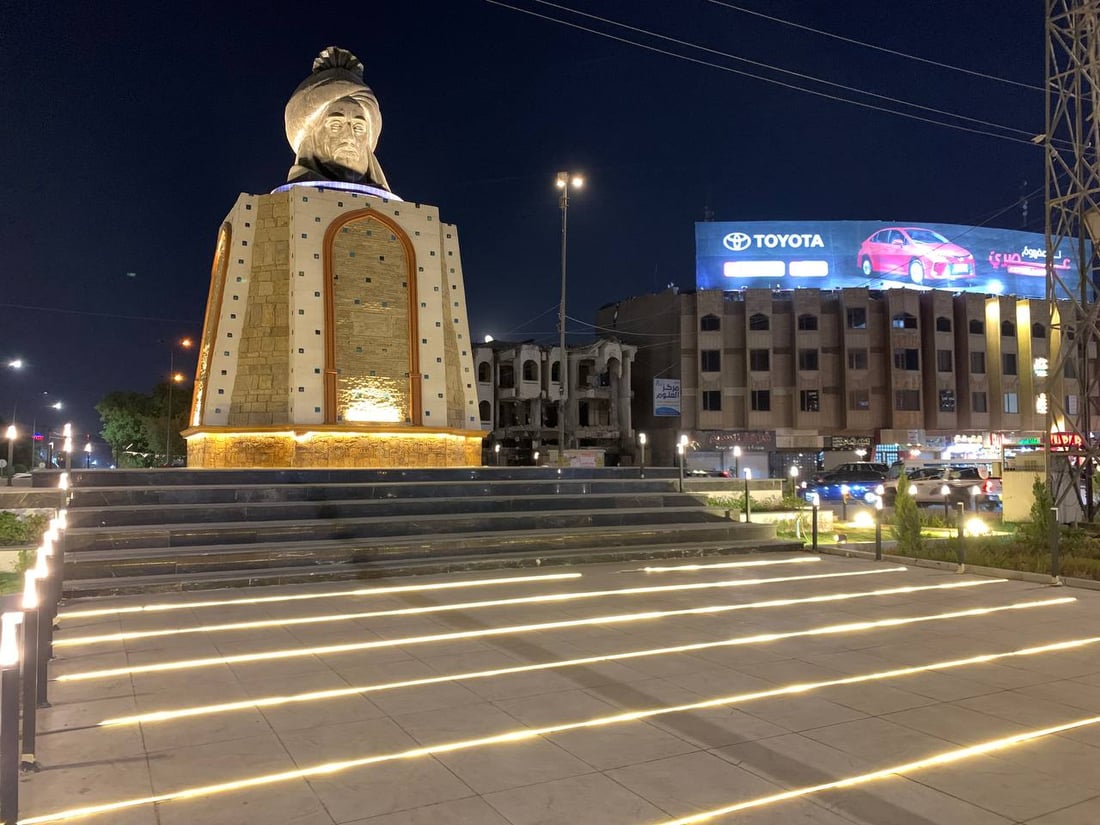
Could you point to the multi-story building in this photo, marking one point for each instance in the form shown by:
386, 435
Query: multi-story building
801, 376
519, 398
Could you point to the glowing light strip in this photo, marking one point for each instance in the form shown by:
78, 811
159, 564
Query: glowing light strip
678, 568
367, 591
944, 758
275, 701
547, 598
526, 734
495, 631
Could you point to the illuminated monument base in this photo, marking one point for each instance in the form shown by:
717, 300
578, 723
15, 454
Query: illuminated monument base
332, 447
336, 335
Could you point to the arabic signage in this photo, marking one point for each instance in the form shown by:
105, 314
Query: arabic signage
728, 439
877, 255
851, 443
666, 396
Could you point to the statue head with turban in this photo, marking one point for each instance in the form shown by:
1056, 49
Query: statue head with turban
333, 122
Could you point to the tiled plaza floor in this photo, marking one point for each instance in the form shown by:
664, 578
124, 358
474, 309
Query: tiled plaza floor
777, 693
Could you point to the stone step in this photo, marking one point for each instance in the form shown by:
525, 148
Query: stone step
175, 560
185, 535
113, 585
266, 511
249, 493
85, 479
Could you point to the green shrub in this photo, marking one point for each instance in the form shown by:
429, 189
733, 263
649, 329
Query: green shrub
907, 520
1035, 534
16, 529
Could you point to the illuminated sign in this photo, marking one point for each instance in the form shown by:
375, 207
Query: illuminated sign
666, 396
1066, 441
877, 255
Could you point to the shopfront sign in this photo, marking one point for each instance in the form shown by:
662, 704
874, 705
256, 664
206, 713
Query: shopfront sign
666, 396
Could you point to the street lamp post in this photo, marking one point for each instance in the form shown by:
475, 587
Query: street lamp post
173, 378
88, 455
11, 436
564, 181
641, 446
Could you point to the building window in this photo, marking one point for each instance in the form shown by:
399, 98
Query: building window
712, 400
555, 372
485, 411
759, 360
484, 372
710, 360
906, 359
807, 359
809, 401
903, 320
1071, 405
907, 400
1008, 363
943, 324
709, 323
977, 363
1008, 329
761, 400
1038, 330
857, 359
947, 401
807, 323
530, 371
507, 377
857, 318
759, 322
943, 360
979, 402
1012, 402
1070, 369
977, 327
859, 400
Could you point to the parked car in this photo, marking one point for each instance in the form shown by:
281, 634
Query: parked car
920, 254
855, 469
960, 481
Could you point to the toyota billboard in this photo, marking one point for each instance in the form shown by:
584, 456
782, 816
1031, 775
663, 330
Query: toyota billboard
875, 254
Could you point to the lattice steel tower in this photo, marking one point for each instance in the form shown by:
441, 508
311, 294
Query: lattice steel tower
1072, 140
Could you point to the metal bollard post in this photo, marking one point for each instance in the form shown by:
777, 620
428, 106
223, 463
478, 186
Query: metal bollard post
46, 612
30, 671
1055, 551
9, 717
878, 530
748, 499
844, 492
961, 549
813, 524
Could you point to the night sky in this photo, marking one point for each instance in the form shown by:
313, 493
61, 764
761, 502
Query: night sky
130, 128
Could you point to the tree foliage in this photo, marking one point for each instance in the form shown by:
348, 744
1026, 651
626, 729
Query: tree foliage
1036, 532
907, 525
137, 426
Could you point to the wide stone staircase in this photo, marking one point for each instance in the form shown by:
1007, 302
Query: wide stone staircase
158, 530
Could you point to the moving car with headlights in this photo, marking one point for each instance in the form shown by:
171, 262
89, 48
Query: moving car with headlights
919, 254
859, 479
964, 484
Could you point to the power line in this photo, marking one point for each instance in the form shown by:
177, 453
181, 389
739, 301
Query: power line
96, 314
773, 81
800, 75
867, 45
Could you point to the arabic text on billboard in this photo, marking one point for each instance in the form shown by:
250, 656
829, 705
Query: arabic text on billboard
666, 396
877, 255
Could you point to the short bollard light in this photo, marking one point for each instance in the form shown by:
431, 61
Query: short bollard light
945, 491
30, 670
815, 503
681, 449
960, 528
496, 454
535, 458
794, 480
845, 492
748, 495
878, 528
974, 492
9, 716
641, 449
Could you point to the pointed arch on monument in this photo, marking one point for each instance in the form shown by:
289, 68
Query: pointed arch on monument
409, 410
210, 323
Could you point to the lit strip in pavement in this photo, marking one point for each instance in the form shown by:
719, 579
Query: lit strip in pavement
270, 655
944, 758
274, 701
547, 598
527, 734
688, 568
363, 591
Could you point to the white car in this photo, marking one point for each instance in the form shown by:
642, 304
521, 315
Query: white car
965, 484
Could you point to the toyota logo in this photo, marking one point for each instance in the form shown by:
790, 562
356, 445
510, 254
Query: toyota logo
737, 241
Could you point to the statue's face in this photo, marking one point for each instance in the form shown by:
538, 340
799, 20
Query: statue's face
344, 136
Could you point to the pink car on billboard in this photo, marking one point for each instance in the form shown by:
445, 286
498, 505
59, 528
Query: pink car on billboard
919, 254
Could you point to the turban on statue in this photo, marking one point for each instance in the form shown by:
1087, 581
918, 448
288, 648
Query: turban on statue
337, 75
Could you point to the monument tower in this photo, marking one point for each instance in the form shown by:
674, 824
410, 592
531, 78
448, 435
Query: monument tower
336, 332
